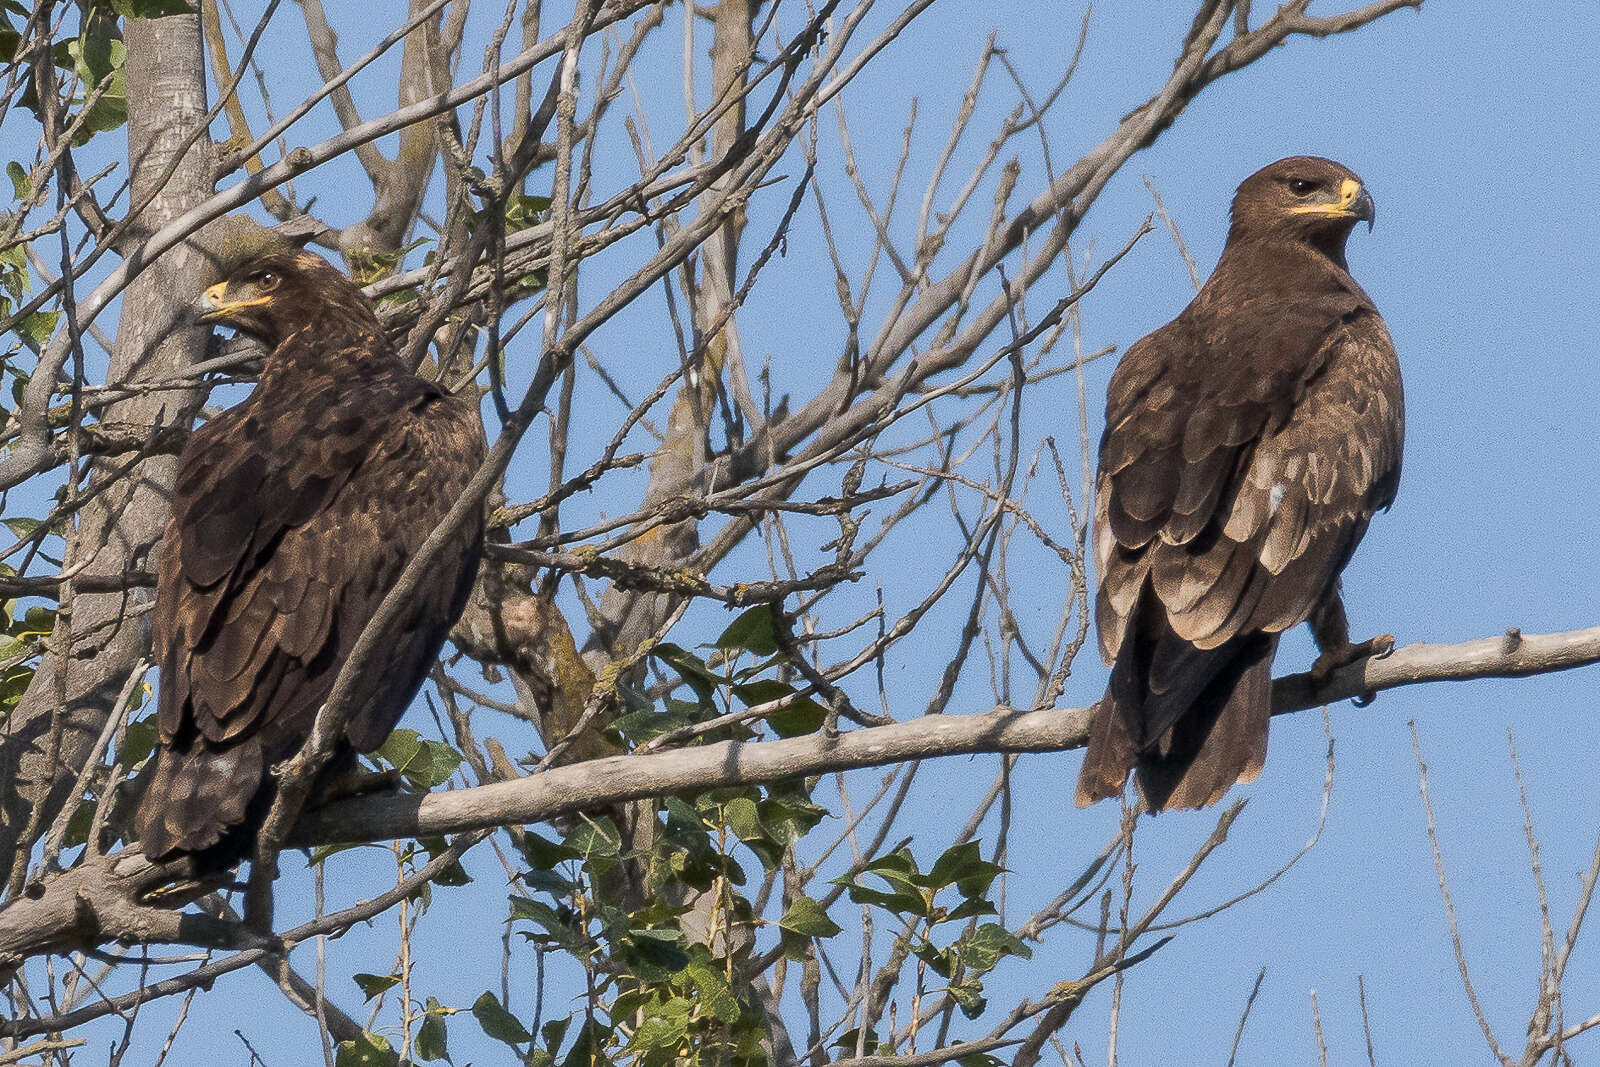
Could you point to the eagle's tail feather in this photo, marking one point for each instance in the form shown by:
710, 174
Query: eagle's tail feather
1110, 754
196, 796
1222, 741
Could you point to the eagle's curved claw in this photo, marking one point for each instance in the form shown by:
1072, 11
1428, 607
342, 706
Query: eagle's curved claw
1335, 658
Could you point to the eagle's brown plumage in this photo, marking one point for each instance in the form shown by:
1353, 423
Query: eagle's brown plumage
293, 515
1248, 443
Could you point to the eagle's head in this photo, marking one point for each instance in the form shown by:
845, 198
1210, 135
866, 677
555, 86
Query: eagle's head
271, 287
1304, 198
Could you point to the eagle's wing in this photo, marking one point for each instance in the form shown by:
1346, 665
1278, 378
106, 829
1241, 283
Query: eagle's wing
1238, 487
257, 632
273, 567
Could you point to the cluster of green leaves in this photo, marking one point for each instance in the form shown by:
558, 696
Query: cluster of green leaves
21, 631
665, 926
93, 59
89, 58
954, 891
656, 996
745, 669
32, 330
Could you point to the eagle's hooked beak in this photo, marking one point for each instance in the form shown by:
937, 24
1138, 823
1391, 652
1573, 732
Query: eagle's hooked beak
210, 304
214, 305
1363, 207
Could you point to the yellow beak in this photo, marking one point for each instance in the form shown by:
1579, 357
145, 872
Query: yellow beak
214, 303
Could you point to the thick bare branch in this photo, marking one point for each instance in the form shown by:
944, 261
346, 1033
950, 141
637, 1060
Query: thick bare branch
622, 778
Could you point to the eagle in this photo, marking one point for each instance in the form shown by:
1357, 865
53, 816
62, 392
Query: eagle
1247, 445
293, 515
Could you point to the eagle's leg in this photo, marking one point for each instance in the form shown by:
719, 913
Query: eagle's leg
343, 778
1331, 631
353, 783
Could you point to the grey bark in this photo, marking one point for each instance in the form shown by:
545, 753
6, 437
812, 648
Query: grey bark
46, 739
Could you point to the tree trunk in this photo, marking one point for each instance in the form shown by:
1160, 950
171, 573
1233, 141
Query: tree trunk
46, 740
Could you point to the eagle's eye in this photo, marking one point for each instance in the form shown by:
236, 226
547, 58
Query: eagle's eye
1301, 187
266, 281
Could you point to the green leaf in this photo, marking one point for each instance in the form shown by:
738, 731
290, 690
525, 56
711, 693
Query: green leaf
12, 685
139, 742
596, 837
453, 874
544, 854
743, 820
987, 946
432, 1039
35, 622
21, 184
979, 1059
652, 959
79, 824
368, 1050
969, 997
899, 903
957, 862
804, 716
39, 327
97, 58
424, 763
497, 1022
853, 1038
788, 819
806, 917
665, 1027
322, 852
559, 927
899, 870
647, 724
545, 882
399, 748
964, 867
715, 994
695, 674
683, 813
589, 1048
968, 908
762, 691
524, 211
554, 1032
941, 960
373, 985
439, 761
751, 631
795, 719
151, 9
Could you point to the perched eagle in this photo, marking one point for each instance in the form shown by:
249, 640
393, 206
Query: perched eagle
293, 515
1248, 443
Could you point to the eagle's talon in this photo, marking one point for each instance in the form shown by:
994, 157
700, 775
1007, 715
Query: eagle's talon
1334, 659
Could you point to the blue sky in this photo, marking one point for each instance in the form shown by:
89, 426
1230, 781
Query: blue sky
1473, 127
